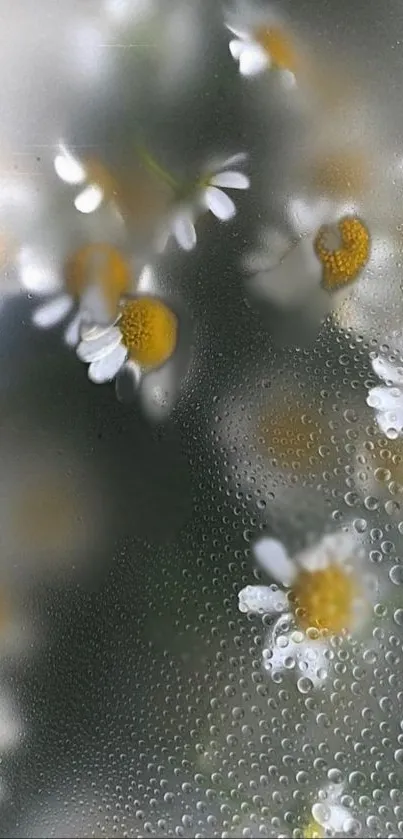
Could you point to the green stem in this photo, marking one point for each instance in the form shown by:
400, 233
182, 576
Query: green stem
155, 167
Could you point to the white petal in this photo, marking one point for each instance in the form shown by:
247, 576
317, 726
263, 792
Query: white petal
334, 548
89, 199
97, 348
385, 398
236, 48
253, 60
93, 331
243, 34
68, 168
291, 282
309, 657
262, 600
220, 204
387, 371
106, 368
72, 333
37, 272
331, 816
273, 558
307, 216
147, 281
184, 231
52, 313
162, 239
234, 160
390, 423
93, 305
231, 180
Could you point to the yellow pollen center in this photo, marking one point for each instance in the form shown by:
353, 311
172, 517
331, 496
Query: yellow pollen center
100, 264
278, 46
149, 330
323, 599
313, 830
343, 251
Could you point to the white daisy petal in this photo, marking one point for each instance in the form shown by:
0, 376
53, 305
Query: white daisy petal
392, 373
231, 180
384, 398
147, 280
236, 48
52, 312
390, 423
68, 168
253, 60
234, 160
72, 333
331, 816
93, 305
220, 204
97, 348
89, 199
106, 368
262, 600
290, 651
36, 271
334, 548
184, 230
273, 558
242, 34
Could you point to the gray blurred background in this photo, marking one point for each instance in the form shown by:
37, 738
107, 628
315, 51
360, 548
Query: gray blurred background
138, 701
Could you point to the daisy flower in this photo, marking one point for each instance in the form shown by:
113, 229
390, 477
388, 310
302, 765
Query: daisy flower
206, 193
387, 399
94, 278
321, 595
331, 251
143, 338
262, 42
329, 815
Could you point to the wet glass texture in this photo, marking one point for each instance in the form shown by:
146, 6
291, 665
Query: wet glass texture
201, 384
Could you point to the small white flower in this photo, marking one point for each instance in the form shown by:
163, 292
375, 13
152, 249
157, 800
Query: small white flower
140, 342
387, 399
261, 42
320, 597
208, 194
328, 812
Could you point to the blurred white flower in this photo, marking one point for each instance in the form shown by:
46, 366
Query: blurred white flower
95, 277
321, 596
262, 42
143, 338
206, 194
329, 814
387, 399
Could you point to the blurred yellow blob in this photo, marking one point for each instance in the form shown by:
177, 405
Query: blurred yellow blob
279, 47
313, 830
149, 330
101, 264
343, 250
324, 599
142, 198
292, 437
341, 175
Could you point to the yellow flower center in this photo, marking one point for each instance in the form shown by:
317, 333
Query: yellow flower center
278, 46
292, 437
149, 330
324, 599
313, 830
101, 264
343, 251
341, 175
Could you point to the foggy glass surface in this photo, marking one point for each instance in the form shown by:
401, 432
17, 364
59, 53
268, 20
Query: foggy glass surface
133, 698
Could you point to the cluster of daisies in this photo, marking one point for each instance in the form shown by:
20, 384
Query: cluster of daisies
114, 314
